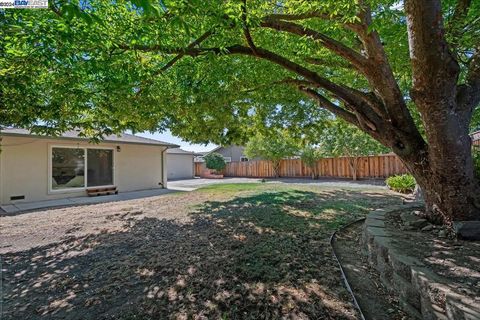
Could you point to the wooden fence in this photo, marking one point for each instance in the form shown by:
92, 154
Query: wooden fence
380, 166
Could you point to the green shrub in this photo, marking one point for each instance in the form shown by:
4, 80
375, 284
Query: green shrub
214, 161
476, 160
404, 183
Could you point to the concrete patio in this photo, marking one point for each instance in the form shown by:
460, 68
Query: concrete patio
28, 206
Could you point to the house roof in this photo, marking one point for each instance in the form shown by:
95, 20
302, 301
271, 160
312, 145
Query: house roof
214, 150
179, 151
475, 135
74, 135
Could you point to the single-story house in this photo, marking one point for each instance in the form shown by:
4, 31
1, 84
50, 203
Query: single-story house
35, 167
180, 164
229, 153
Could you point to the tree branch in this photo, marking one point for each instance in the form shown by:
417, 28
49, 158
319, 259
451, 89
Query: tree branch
461, 9
468, 96
179, 56
355, 58
301, 16
193, 44
473, 77
246, 30
360, 115
429, 54
363, 105
53, 7
323, 62
328, 105
380, 74
375, 68
455, 23
349, 95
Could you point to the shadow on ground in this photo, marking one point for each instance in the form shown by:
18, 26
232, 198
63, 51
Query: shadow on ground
263, 256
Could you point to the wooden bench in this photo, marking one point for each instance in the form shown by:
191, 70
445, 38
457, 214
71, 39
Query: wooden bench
93, 192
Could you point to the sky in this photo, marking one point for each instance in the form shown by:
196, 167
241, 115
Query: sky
168, 137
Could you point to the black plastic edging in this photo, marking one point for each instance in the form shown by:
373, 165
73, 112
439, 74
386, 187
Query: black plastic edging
344, 276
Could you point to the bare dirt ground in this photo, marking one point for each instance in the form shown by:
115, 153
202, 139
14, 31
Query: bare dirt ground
456, 261
376, 302
244, 251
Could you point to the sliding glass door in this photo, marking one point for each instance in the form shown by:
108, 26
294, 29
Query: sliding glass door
99, 167
76, 168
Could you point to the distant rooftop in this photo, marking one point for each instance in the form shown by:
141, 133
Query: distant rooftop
179, 151
74, 135
476, 135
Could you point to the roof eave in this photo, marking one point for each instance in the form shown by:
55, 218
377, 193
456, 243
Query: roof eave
21, 135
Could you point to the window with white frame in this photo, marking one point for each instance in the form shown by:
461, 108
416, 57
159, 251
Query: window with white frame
81, 167
227, 159
243, 159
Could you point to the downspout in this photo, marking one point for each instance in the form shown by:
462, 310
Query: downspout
163, 167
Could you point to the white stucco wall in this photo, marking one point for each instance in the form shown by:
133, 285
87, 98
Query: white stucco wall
179, 166
24, 167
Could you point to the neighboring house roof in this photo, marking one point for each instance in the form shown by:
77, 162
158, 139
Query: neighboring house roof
214, 149
74, 135
222, 147
179, 151
476, 138
201, 154
475, 135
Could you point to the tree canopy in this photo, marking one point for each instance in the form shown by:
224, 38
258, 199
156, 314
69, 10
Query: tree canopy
407, 73
342, 139
273, 147
310, 156
208, 70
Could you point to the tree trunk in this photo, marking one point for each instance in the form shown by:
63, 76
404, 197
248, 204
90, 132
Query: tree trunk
353, 162
444, 167
276, 168
445, 174
313, 171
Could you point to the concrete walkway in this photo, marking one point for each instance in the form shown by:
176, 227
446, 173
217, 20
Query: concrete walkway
122, 196
193, 184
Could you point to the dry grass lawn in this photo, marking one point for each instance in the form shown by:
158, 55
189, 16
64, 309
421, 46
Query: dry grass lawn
238, 251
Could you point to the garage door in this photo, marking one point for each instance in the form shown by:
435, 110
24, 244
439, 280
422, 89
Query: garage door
179, 166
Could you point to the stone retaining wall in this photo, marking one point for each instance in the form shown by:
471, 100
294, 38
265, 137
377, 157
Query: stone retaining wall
422, 293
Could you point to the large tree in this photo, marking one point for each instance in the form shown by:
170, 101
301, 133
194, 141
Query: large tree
405, 72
